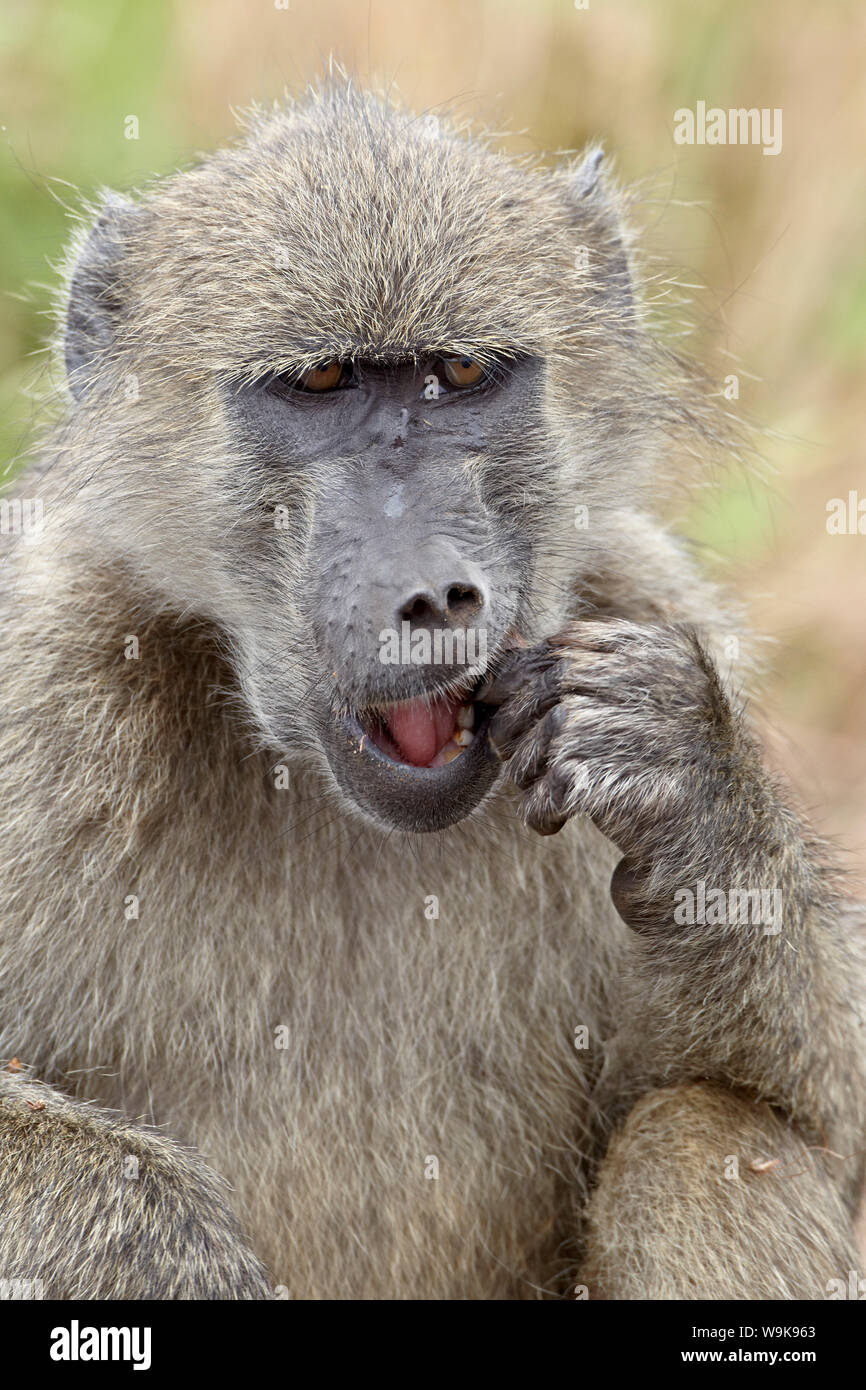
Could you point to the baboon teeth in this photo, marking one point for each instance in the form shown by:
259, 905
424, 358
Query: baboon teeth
425, 734
454, 747
466, 717
448, 754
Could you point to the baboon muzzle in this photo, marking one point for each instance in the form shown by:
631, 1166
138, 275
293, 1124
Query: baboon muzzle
404, 616
402, 603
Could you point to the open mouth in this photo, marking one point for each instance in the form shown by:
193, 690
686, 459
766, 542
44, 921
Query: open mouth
423, 733
419, 764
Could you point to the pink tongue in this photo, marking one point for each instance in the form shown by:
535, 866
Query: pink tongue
421, 727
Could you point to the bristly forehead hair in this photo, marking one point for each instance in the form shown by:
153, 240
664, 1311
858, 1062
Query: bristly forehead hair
343, 226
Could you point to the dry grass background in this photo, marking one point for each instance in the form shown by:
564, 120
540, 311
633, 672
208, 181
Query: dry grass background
774, 245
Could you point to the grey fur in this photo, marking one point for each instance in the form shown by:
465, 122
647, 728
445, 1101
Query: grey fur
406, 1038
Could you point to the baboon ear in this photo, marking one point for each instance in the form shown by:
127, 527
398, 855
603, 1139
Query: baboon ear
597, 210
585, 176
94, 304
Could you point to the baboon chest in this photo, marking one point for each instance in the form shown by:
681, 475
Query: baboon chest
409, 1105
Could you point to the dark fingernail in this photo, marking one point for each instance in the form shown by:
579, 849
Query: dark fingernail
498, 688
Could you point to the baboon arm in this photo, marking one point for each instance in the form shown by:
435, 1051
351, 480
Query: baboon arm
706, 1195
744, 965
95, 1207
633, 716
776, 1005
770, 1002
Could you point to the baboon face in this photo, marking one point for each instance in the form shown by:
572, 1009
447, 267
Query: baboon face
384, 372
416, 566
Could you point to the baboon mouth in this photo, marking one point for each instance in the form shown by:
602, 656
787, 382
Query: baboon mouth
419, 764
422, 732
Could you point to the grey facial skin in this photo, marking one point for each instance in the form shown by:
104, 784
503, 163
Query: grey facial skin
406, 532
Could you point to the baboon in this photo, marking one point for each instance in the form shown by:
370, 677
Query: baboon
334, 972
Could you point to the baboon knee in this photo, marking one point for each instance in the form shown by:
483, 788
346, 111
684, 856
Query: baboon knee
121, 1212
705, 1194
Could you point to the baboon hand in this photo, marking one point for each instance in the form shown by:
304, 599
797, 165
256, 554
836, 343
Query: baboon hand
625, 723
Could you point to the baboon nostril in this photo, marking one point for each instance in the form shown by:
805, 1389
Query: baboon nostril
454, 606
463, 602
422, 608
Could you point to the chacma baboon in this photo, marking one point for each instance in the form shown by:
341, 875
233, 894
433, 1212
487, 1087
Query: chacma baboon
357, 383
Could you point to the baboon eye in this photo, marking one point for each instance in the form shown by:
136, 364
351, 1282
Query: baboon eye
463, 371
322, 378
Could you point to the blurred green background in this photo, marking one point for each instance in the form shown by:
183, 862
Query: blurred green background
774, 246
